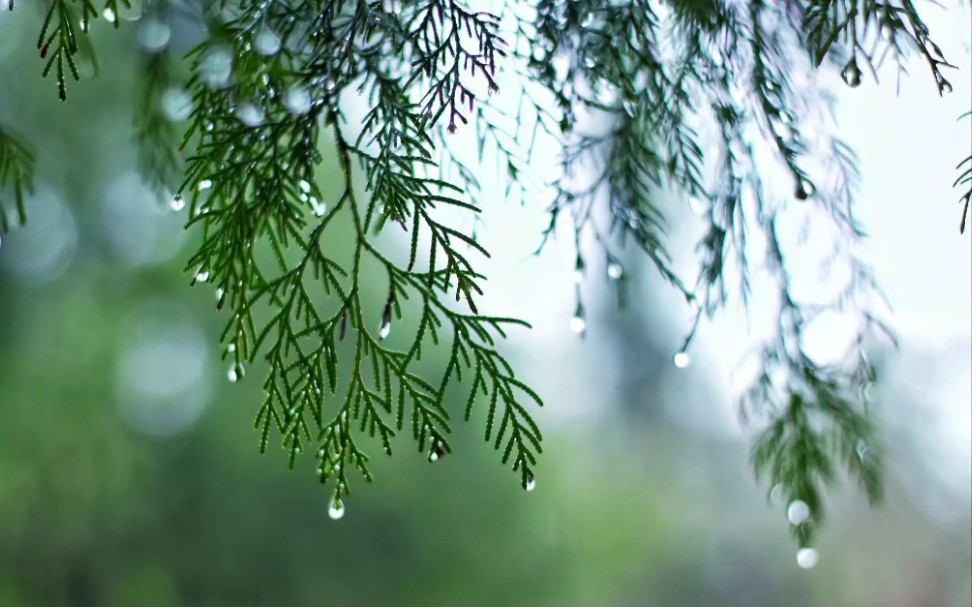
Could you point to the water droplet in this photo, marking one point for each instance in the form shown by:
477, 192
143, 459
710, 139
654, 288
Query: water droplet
176, 104
109, 15
177, 203
216, 67
219, 294
384, 329
807, 558
433, 457
335, 509
204, 184
304, 186
805, 189
615, 271
202, 276
232, 375
267, 42
297, 100
531, 483
231, 348
250, 114
153, 35
851, 73
798, 512
319, 207
682, 359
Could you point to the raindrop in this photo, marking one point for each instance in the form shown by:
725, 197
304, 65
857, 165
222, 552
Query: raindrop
805, 189
384, 329
219, 294
851, 74
319, 207
232, 375
153, 35
798, 512
577, 323
202, 275
205, 184
109, 15
176, 104
297, 100
531, 483
231, 348
807, 558
335, 509
681, 359
217, 67
177, 203
267, 42
304, 186
615, 271
250, 114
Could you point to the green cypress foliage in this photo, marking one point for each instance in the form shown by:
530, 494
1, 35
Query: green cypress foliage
704, 98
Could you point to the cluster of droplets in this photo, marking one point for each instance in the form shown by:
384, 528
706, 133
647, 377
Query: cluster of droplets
797, 513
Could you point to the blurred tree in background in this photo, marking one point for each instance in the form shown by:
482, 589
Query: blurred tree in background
126, 476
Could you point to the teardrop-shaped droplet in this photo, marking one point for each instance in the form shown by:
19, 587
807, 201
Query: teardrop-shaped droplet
682, 359
615, 271
851, 73
109, 15
807, 558
250, 114
219, 294
177, 203
202, 275
204, 184
319, 208
232, 375
805, 189
297, 100
267, 42
384, 329
531, 483
304, 186
578, 324
335, 509
798, 512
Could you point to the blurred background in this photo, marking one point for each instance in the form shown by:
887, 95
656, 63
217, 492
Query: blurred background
129, 472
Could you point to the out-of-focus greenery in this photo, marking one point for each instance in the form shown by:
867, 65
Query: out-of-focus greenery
128, 473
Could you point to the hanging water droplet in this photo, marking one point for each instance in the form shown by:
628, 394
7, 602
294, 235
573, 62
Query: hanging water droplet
231, 348
805, 189
219, 294
250, 114
177, 203
615, 271
216, 67
319, 207
204, 184
153, 35
851, 73
109, 15
232, 375
531, 483
798, 512
807, 558
304, 186
682, 359
267, 42
297, 100
176, 104
384, 329
577, 323
335, 509
202, 275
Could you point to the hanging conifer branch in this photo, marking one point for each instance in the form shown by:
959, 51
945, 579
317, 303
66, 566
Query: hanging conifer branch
710, 100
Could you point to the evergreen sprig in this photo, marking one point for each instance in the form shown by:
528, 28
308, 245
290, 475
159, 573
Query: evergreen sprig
707, 99
16, 176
